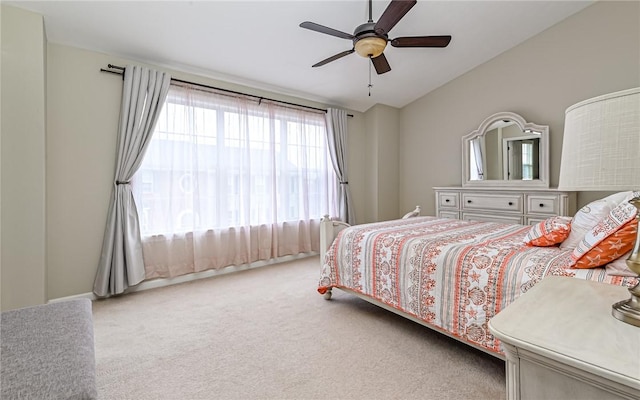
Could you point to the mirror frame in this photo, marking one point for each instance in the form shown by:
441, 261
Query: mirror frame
542, 182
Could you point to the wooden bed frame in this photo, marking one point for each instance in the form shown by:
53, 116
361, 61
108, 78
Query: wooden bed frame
329, 229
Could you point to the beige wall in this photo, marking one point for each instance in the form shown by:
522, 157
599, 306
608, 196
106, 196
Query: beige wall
594, 52
358, 169
382, 125
82, 120
23, 276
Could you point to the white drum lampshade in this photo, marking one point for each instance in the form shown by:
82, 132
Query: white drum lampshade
601, 144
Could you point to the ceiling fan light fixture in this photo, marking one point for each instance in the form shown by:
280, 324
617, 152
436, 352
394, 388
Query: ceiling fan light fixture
371, 46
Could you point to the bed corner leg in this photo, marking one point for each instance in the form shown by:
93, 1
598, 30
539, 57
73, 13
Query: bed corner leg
327, 294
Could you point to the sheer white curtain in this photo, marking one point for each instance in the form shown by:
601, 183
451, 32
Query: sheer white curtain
227, 181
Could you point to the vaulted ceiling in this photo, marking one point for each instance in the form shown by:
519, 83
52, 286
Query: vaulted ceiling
260, 43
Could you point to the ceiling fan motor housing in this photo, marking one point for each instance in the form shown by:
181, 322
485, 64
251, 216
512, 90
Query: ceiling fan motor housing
367, 42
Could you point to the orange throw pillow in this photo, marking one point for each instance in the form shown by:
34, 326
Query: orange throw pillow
611, 248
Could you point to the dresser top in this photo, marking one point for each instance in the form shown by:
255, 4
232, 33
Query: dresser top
500, 189
569, 320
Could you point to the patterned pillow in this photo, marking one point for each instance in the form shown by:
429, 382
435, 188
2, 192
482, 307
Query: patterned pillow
549, 232
612, 236
588, 216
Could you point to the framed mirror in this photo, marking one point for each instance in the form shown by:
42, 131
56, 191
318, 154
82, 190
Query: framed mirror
506, 151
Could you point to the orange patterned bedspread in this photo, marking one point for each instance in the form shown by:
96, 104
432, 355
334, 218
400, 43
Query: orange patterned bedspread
455, 275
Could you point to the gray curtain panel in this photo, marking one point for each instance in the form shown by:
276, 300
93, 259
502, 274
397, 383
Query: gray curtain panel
337, 141
476, 147
143, 94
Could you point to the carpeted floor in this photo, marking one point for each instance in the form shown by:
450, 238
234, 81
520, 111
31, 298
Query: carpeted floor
267, 334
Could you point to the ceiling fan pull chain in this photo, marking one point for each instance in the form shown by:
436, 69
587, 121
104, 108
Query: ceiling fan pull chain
370, 85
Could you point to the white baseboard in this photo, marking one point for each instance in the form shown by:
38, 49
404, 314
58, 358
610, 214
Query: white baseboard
162, 282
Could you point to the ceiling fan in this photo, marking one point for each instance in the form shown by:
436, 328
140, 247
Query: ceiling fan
371, 38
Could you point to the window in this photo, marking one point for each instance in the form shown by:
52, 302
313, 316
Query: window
217, 162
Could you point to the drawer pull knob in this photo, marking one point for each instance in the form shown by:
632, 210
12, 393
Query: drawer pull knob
511, 203
446, 201
541, 204
468, 201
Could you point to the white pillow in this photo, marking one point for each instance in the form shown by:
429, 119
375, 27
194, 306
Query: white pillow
619, 267
588, 216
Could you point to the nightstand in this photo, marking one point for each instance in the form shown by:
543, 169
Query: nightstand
561, 342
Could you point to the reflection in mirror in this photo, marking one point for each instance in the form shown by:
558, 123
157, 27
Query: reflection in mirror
510, 154
520, 157
506, 151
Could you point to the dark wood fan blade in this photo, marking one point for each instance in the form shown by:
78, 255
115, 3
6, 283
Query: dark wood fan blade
333, 58
381, 64
421, 41
323, 29
394, 13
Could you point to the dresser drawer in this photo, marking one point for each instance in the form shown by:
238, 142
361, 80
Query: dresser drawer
448, 200
541, 204
498, 202
449, 214
507, 219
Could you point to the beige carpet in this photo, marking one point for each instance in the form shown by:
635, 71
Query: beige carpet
267, 334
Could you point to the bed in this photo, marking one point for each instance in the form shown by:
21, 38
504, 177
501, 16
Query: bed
449, 275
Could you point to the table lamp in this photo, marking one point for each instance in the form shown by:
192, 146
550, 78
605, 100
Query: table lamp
601, 152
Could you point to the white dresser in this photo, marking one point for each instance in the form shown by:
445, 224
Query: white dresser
509, 205
562, 342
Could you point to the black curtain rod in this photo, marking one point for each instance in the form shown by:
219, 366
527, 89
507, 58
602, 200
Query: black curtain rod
259, 98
